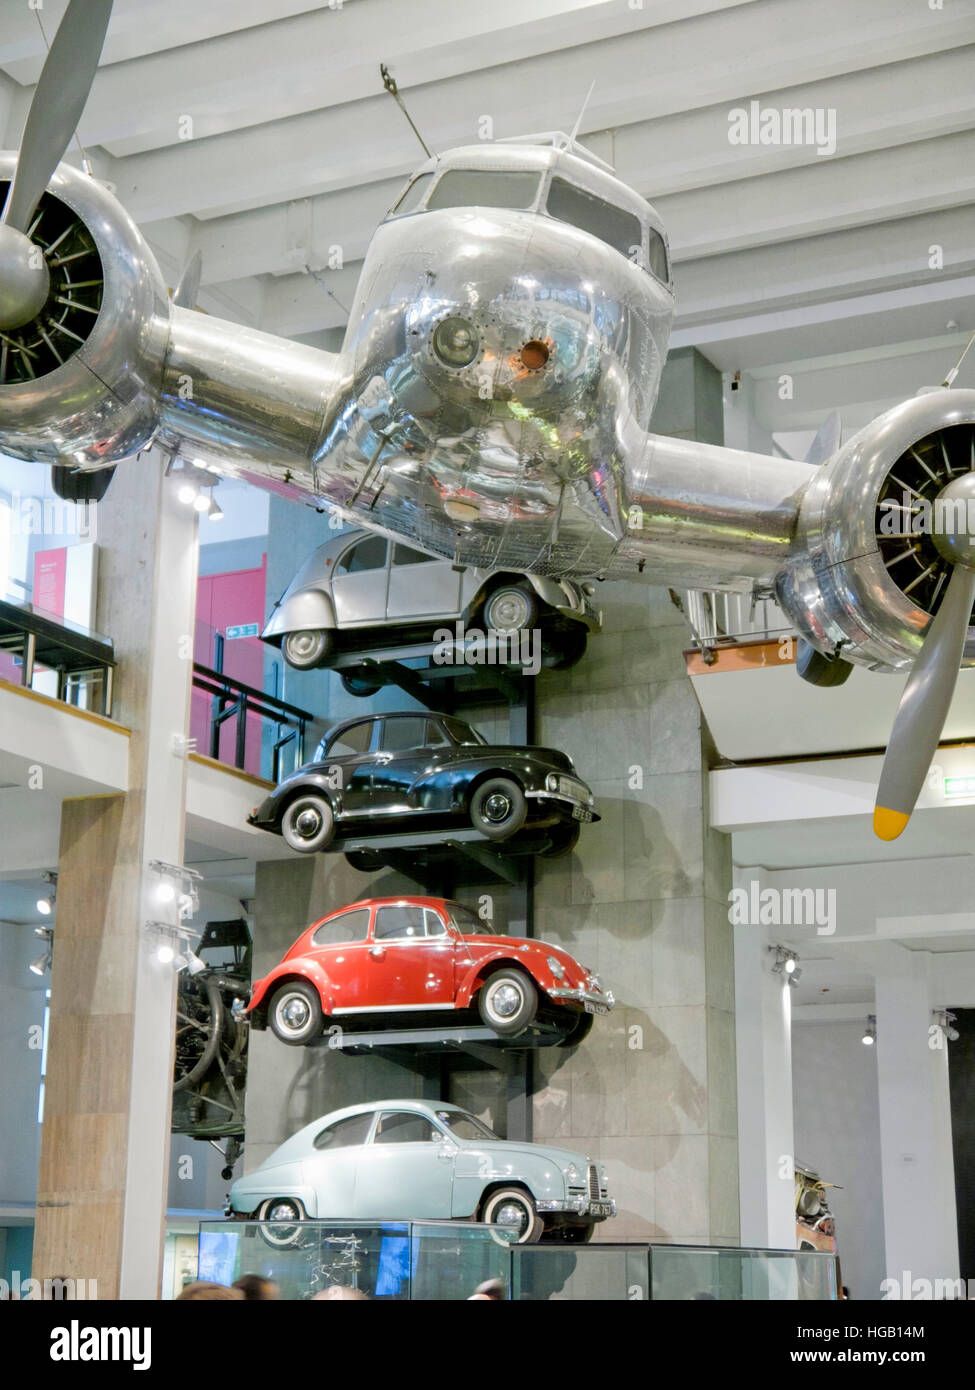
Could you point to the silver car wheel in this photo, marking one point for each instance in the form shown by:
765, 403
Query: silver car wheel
505, 1000
293, 1013
497, 808
303, 650
308, 823
512, 1214
509, 610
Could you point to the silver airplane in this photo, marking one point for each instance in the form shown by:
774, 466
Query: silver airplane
491, 403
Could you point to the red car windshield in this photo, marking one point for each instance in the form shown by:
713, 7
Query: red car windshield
468, 923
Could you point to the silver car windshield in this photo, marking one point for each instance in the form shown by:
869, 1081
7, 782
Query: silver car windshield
468, 923
464, 1126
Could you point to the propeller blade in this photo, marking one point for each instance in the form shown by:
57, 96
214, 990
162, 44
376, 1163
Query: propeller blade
186, 292
59, 99
924, 707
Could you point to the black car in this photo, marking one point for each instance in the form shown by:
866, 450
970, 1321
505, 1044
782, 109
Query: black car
392, 773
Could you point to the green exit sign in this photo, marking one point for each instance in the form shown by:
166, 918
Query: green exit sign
960, 786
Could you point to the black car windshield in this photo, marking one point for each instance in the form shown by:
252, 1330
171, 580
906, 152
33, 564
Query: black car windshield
464, 1126
468, 923
461, 732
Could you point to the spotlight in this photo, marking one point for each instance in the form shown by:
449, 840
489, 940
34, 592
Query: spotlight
43, 963
45, 905
187, 494
786, 963
165, 893
165, 954
795, 975
214, 511
201, 502
870, 1032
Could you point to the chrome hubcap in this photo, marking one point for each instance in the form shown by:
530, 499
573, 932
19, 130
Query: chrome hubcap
308, 823
497, 807
508, 611
282, 1211
512, 1214
294, 1013
505, 1000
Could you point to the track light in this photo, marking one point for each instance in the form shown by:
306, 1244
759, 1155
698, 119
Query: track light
786, 963
42, 964
187, 494
45, 905
945, 1020
870, 1032
214, 511
201, 502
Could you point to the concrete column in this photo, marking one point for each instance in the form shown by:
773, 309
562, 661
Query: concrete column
920, 1226
763, 1014
105, 1142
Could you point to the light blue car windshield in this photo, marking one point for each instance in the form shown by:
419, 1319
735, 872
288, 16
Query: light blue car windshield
464, 1126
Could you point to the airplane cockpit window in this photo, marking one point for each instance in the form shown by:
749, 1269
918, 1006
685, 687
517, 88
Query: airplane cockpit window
658, 257
485, 188
412, 196
615, 226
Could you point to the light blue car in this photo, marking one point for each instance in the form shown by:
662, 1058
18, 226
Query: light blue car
398, 1160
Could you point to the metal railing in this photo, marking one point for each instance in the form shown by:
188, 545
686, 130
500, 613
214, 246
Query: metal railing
232, 699
719, 618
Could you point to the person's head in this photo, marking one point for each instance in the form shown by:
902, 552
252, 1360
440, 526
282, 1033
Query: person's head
256, 1288
201, 1290
492, 1290
340, 1291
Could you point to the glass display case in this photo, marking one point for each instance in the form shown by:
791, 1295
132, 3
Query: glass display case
446, 1261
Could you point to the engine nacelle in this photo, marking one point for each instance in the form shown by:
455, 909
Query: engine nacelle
865, 577
80, 383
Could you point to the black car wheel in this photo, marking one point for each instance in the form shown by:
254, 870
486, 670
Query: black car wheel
579, 1031
277, 1217
295, 1013
562, 841
308, 823
566, 649
498, 808
362, 686
508, 1002
512, 608
305, 650
513, 1207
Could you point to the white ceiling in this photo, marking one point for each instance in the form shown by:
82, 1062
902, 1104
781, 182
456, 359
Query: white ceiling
784, 258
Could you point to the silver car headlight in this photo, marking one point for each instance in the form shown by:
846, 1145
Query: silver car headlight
572, 1174
552, 782
556, 967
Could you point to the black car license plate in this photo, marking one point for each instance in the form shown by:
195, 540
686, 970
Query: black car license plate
600, 1209
580, 813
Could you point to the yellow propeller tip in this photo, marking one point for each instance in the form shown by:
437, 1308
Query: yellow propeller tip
887, 824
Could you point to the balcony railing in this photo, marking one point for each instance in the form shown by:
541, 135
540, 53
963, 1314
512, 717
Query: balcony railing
721, 619
233, 700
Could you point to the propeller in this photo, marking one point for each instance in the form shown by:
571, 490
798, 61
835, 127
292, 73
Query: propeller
55, 110
927, 696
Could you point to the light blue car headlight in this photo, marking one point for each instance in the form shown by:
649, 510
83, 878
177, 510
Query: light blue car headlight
556, 967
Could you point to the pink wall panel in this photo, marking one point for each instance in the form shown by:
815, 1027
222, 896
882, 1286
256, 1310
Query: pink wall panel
226, 601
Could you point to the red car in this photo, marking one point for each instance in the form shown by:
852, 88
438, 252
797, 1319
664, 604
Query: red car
391, 957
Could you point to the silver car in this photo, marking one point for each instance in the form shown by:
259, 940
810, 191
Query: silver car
362, 591
400, 1160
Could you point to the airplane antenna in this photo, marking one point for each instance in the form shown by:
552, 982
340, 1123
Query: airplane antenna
389, 82
575, 128
950, 378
